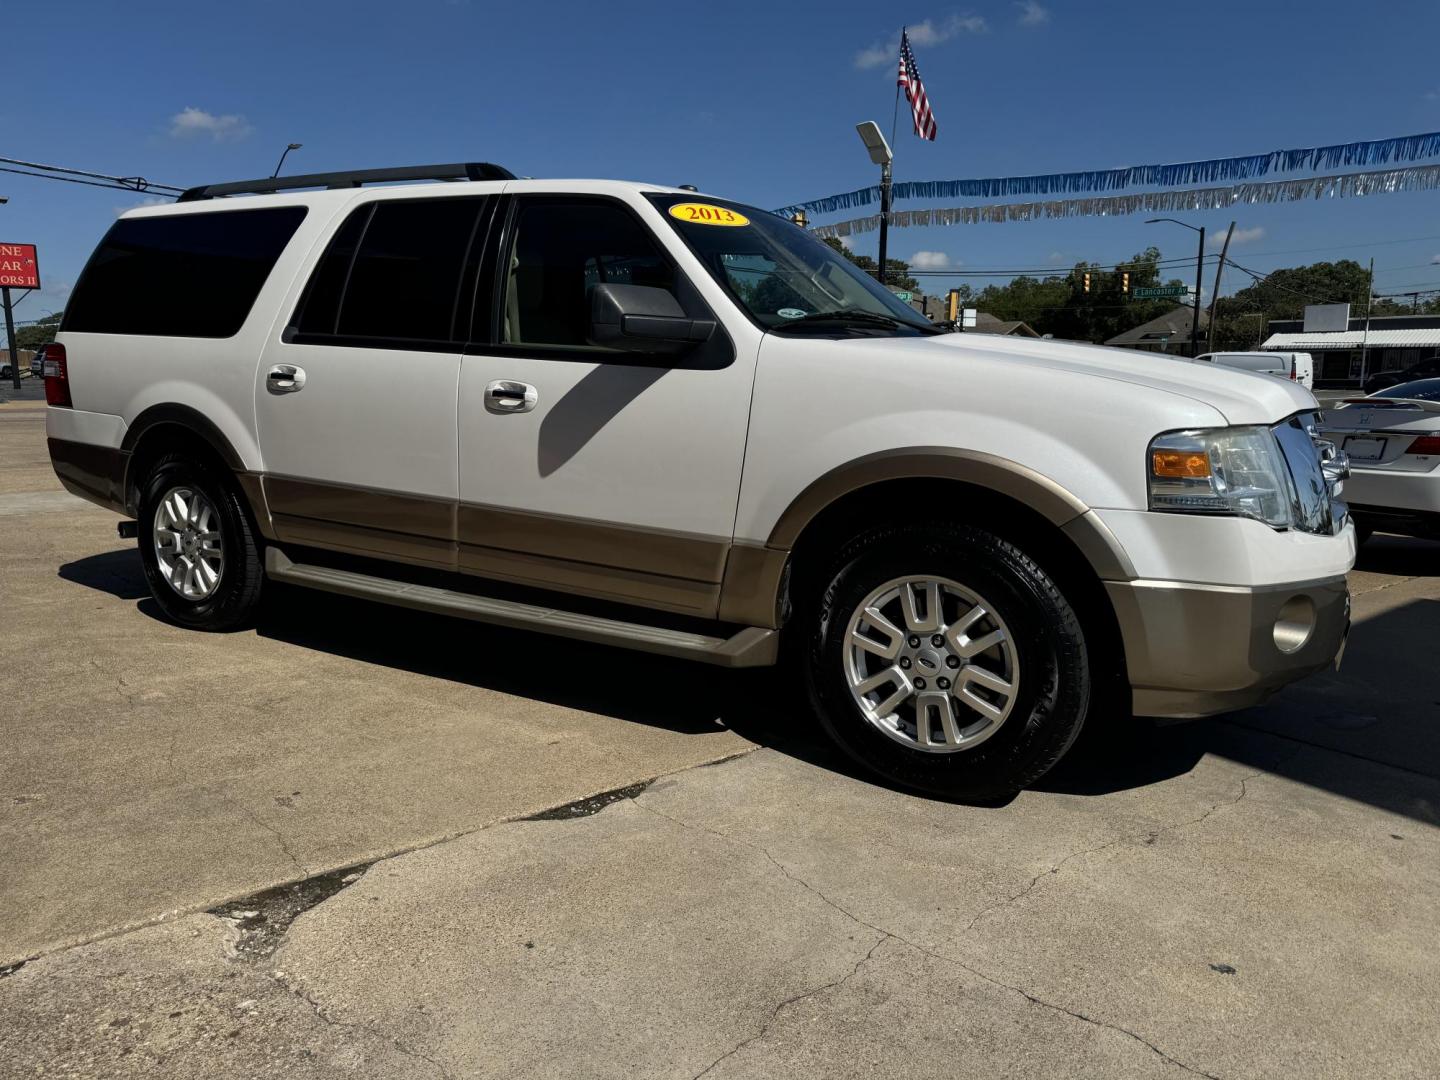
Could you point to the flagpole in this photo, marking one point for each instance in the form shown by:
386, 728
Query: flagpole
895, 115
885, 179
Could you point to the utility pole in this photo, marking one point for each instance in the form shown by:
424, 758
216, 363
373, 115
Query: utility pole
1365, 334
1199, 279
1215, 292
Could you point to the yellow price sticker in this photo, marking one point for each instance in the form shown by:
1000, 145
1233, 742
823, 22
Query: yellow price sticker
707, 214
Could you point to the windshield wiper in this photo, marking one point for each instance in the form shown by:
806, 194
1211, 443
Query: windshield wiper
857, 318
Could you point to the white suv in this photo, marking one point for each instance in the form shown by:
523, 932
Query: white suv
638, 415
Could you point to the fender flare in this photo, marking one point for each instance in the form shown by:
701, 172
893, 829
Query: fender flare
192, 422
755, 574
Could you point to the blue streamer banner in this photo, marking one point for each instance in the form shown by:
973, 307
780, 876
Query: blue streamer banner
1374, 152
1339, 186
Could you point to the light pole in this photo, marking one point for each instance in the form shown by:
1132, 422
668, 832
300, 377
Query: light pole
881, 155
292, 146
1199, 271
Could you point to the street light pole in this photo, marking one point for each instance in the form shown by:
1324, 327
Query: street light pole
881, 155
278, 164
884, 216
10, 332
1199, 276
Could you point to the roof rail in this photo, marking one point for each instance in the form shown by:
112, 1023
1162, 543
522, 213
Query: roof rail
472, 170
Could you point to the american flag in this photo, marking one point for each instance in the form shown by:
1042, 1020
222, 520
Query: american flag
915, 91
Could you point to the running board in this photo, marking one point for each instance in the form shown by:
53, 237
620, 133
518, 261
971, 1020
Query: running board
752, 646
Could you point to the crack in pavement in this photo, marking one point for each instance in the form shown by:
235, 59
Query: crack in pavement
279, 836
888, 934
775, 1012
1382, 588
1148, 837
367, 1029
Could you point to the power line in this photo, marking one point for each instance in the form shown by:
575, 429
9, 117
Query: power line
137, 185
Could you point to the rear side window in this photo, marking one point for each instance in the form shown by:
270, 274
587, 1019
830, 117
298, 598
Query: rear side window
393, 274
188, 275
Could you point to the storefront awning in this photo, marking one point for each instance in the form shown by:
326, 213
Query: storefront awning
1353, 339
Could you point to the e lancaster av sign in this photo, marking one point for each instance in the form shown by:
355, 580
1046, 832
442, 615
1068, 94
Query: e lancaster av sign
18, 267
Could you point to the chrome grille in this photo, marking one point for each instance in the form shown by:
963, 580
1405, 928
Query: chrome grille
1317, 471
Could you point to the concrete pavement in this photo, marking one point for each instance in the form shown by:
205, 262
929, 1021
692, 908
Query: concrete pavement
149, 770
1250, 897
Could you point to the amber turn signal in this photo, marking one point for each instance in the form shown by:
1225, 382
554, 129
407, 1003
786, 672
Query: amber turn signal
1179, 464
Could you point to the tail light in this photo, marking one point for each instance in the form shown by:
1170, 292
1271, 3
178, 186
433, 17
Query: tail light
1293, 376
57, 379
1426, 445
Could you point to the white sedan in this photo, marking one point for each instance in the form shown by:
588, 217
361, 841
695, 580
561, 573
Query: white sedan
1393, 441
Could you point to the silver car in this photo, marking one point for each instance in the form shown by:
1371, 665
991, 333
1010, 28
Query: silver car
1393, 442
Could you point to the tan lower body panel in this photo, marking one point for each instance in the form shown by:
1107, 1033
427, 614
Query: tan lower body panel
650, 568
95, 473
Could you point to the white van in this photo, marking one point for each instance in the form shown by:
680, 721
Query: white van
1295, 366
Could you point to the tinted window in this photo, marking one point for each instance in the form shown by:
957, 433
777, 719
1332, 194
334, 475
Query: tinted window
561, 250
187, 275
321, 306
393, 272
1420, 390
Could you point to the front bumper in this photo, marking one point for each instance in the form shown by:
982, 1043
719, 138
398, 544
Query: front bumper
1195, 650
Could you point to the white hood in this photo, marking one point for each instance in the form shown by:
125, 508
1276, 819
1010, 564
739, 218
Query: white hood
1243, 397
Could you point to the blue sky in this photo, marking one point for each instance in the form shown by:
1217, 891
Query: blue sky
754, 101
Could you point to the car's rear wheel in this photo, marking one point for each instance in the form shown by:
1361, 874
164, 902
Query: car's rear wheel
200, 554
947, 659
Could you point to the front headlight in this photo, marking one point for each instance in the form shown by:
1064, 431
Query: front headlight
1235, 470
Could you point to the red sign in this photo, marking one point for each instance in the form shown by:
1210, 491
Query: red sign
18, 268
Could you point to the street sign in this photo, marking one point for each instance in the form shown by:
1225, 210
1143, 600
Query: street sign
1157, 292
18, 268
903, 296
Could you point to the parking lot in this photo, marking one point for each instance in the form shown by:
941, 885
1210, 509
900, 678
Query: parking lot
1251, 896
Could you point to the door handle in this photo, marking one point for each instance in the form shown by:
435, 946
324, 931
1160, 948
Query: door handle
504, 396
285, 379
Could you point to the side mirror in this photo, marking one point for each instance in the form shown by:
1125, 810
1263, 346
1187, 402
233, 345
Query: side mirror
642, 318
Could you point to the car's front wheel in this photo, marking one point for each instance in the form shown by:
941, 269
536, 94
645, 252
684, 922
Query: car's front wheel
947, 659
199, 551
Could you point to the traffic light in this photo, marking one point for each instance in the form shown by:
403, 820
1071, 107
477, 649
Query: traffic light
1125, 281
1086, 280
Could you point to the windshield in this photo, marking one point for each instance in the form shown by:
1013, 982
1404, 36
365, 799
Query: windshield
781, 275
1419, 390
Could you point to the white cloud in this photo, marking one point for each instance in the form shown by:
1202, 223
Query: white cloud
930, 260
192, 122
1033, 13
929, 32
149, 200
1242, 236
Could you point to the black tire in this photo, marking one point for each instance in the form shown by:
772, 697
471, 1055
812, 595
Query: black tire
233, 602
1053, 690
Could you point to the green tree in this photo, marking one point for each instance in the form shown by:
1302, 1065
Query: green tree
41, 331
1243, 318
1060, 305
897, 271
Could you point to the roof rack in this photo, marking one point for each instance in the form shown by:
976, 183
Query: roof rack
472, 170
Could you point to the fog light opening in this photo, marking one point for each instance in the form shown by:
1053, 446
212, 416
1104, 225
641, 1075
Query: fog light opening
1294, 624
